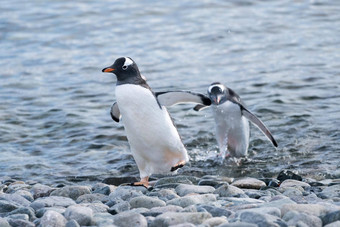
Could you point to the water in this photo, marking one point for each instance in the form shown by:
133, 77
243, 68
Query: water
282, 57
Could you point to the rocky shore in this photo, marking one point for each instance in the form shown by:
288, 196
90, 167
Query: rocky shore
178, 201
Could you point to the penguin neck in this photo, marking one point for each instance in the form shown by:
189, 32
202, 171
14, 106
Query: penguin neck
136, 80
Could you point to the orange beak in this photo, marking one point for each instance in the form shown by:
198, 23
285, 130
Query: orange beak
108, 70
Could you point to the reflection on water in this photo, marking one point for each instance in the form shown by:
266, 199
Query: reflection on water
282, 57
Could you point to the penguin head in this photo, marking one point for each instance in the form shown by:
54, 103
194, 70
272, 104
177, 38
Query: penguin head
217, 93
125, 69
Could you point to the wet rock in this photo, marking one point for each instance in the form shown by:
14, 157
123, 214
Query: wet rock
287, 174
172, 218
169, 208
4, 222
72, 223
15, 199
176, 180
164, 194
241, 201
102, 188
192, 199
26, 194
119, 207
227, 190
184, 225
184, 189
52, 201
20, 223
264, 210
89, 198
17, 185
6, 206
25, 210
331, 217
103, 219
333, 224
261, 219
119, 180
215, 221
83, 215
293, 218
72, 192
18, 216
238, 224
330, 192
278, 203
147, 202
53, 219
40, 190
293, 183
96, 207
215, 211
129, 219
125, 193
42, 211
311, 209
248, 182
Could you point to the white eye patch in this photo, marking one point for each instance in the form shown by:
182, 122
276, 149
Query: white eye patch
127, 63
220, 86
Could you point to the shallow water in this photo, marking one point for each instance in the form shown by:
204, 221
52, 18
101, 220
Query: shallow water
282, 57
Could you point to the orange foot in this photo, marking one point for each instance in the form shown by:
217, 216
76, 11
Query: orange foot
177, 166
144, 182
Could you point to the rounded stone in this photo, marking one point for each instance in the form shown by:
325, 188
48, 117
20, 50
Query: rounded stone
130, 219
248, 182
83, 215
184, 189
52, 219
147, 202
227, 190
174, 218
293, 183
72, 192
192, 199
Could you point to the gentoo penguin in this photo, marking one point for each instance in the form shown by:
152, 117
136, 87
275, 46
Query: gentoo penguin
231, 120
154, 140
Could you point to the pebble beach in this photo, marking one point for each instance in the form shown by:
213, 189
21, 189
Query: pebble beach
288, 200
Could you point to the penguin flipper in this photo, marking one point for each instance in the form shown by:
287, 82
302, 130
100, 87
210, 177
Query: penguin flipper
170, 98
257, 122
114, 112
200, 107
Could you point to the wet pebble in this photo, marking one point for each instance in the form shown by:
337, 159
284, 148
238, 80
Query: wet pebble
83, 215
146, 202
72, 192
53, 219
184, 189
227, 190
248, 182
174, 218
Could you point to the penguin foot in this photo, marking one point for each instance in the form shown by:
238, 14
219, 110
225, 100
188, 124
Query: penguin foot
144, 182
177, 166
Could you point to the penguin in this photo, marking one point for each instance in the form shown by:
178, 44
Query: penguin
154, 141
232, 121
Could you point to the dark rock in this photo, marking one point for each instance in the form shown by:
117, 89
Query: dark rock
20, 223
331, 217
25, 210
119, 180
330, 192
15, 199
287, 174
72, 192
6, 206
40, 190
18, 216
102, 188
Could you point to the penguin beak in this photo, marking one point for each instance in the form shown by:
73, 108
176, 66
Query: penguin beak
216, 99
108, 70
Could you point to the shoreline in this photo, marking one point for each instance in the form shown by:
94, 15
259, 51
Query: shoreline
288, 200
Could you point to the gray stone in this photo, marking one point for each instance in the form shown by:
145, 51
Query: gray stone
102, 188
292, 192
248, 182
4, 222
26, 194
20, 223
240, 201
83, 215
331, 217
229, 191
257, 194
216, 211
147, 202
119, 207
190, 209
215, 221
192, 199
15, 199
265, 210
183, 225
330, 192
311, 209
169, 208
90, 198
215, 181
40, 190
333, 224
6, 206
278, 203
103, 219
184, 189
176, 180
53, 219
238, 224
260, 219
43, 210
164, 194
72, 192
52, 201
173, 218
25, 210
15, 186
129, 219
96, 207
293, 218
293, 183
24, 217
72, 223
124, 193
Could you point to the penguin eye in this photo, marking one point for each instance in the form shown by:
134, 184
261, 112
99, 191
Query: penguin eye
124, 67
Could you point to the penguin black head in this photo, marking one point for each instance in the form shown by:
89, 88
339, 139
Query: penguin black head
126, 71
217, 93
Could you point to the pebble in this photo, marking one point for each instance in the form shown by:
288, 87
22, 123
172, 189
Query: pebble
176, 201
248, 182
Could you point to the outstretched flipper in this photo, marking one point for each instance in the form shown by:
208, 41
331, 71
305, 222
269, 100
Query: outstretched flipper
115, 113
170, 98
257, 122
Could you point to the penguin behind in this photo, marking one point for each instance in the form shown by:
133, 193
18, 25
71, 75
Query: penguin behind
232, 121
154, 140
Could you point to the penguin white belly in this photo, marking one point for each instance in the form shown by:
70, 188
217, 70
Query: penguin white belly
153, 138
232, 129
